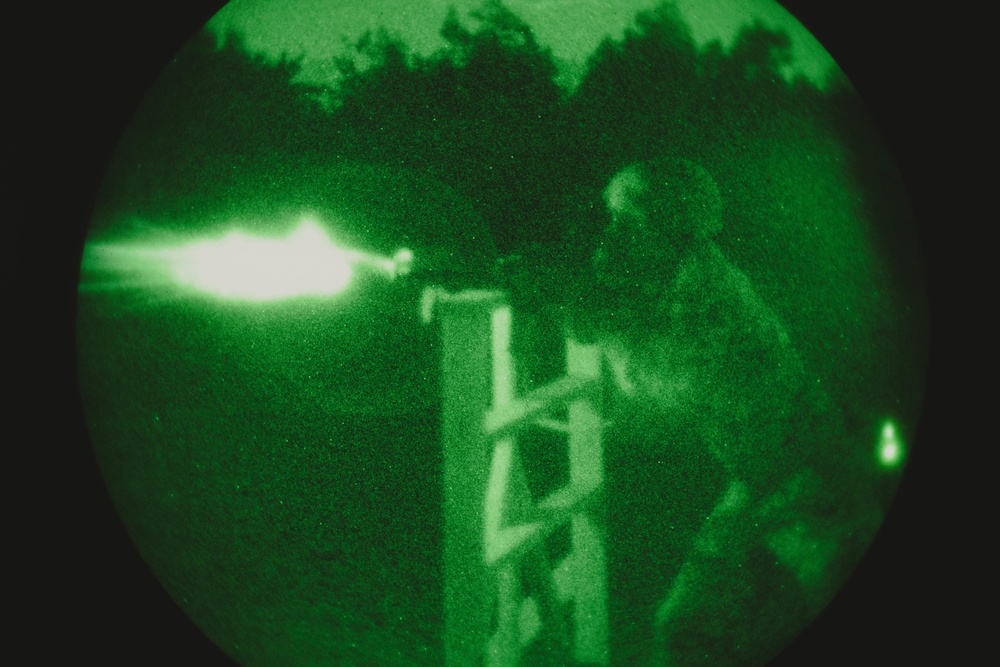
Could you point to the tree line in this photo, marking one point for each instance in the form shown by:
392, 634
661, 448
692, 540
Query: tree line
489, 116
485, 114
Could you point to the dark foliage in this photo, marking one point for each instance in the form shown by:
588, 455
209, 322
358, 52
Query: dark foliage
486, 116
217, 117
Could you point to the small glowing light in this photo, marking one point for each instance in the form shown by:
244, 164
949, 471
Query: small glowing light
890, 452
890, 447
403, 262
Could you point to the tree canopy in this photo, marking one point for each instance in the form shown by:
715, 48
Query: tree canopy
224, 129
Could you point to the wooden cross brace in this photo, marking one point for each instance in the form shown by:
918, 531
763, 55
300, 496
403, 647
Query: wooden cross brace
494, 532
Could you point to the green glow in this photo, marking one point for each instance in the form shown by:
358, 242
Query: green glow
890, 447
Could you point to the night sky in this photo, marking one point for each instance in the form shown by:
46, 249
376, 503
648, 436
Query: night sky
317, 29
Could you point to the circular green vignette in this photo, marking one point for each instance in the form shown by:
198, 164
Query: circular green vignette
277, 462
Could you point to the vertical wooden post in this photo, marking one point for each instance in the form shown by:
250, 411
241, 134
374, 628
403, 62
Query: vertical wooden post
504, 649
467, 393
588, 570
478, 374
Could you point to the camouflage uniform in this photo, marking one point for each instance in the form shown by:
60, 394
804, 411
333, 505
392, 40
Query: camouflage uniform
712, 389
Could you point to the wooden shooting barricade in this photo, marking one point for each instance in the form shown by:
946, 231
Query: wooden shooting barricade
494, 534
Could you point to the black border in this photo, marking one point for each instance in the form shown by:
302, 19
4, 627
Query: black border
89, 594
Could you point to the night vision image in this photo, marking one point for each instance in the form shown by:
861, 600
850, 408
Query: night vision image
535, 332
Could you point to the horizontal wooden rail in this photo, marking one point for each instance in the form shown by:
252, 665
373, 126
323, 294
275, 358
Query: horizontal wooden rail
551, 424
551, 512
560, 426
507, 419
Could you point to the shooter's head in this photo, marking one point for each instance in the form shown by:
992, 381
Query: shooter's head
669, 200
661, 210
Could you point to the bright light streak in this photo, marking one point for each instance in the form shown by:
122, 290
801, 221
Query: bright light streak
240, 266
249, 268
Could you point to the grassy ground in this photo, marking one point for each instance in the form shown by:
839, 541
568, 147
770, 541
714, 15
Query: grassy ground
278, 468
293, 526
